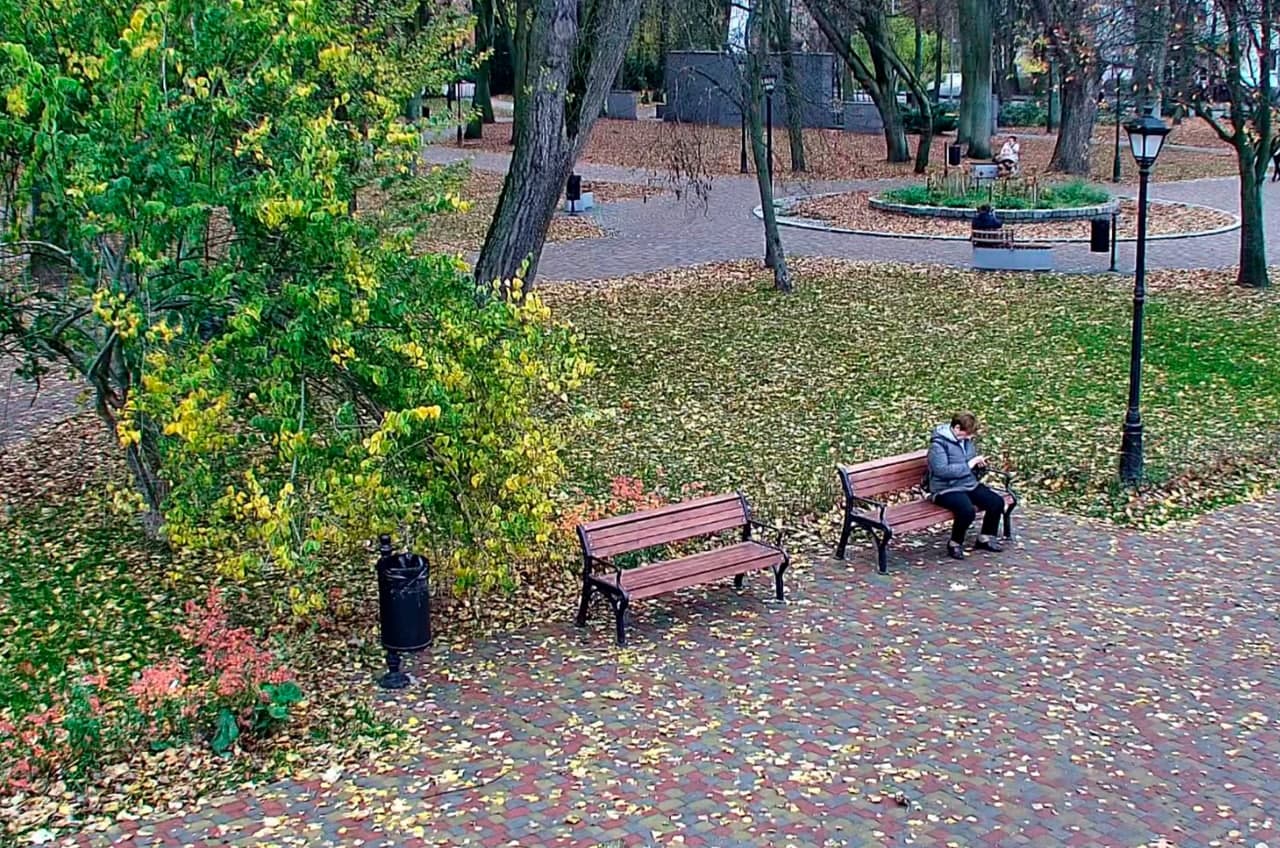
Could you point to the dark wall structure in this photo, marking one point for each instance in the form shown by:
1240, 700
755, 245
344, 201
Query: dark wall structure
704, 87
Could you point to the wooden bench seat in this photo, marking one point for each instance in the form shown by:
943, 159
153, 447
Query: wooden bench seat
702, 517
897, 475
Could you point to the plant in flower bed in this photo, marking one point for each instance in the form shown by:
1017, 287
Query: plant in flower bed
862, 360
1006, 194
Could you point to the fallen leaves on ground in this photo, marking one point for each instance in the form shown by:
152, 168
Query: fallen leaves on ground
711, 376
657, 146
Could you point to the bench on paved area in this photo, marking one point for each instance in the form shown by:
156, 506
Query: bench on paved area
998, 250
896, 475
606, 538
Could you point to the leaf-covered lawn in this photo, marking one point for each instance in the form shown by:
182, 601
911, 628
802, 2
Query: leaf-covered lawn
726, 382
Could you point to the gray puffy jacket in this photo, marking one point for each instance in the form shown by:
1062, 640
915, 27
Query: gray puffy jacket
949, 457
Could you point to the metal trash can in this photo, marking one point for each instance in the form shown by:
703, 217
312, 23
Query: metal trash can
953, 155
1099, 235
404, 608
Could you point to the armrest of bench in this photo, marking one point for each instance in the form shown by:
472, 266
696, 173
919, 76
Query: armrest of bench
608, 563
870, 504
781, 531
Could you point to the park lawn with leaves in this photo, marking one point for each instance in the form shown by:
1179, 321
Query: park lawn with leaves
83, 593
709, 375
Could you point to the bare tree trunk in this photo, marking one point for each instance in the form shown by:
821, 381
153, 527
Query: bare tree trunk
975, 76
1075, 134
937, 56
483, 101
758, 25
877, 82
791, 86
1253, 233
577, 61
1152, 20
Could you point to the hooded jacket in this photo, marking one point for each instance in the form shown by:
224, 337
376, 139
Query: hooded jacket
949, 457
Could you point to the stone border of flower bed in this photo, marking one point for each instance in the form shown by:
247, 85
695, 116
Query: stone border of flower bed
785, 204
1009, 216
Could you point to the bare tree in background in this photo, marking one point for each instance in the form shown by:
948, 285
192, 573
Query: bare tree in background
1235, 50
838, 18
572, 55
1072, 31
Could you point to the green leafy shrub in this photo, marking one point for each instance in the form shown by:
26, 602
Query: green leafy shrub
285, 376
1022, 113
945, 119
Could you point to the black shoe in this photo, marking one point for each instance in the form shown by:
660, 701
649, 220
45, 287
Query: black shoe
989, 545
955, 550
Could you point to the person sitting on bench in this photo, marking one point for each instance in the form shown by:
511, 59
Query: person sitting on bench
1009, 157
987, 219
952, 480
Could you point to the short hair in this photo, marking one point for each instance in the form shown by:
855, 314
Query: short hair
986, 207
966, 421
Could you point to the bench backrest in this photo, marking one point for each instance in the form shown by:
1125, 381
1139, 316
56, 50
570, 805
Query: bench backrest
883, 476
663, 525
991, 238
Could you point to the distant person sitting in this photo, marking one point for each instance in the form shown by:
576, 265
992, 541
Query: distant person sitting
987, 219
1010, 156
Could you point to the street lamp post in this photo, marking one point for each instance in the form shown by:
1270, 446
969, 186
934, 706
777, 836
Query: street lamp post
1146, 137
770, 80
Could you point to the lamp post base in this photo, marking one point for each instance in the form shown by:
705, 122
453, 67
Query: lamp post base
1131, 454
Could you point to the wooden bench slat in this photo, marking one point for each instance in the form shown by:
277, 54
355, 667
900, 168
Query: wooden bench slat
900, 478
657, 512
720, 570
708, 514
639, 537
873, 464
730, 556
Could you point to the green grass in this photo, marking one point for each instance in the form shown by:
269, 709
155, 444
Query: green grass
75, 601
743, 387
1067, 195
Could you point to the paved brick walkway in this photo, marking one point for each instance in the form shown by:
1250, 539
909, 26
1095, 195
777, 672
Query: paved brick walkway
1085, 688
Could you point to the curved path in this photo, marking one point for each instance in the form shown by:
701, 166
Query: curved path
664, 232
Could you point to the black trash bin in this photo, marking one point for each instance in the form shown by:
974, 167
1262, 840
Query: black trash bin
953, 155
1099, 235
404, 608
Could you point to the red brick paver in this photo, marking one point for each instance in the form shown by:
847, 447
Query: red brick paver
1087, 687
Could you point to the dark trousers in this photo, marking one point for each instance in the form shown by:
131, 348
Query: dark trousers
965, 506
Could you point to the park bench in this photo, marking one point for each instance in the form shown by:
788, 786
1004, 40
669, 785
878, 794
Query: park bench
998, 250
896, 475
606, 538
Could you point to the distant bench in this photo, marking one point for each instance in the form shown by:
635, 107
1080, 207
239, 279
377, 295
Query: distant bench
998, 250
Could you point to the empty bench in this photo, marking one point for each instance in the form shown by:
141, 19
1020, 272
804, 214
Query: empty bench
897, 475
605, 539
997, 250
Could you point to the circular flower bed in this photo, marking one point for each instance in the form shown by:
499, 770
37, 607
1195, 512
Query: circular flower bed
1016, 201
853, 211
